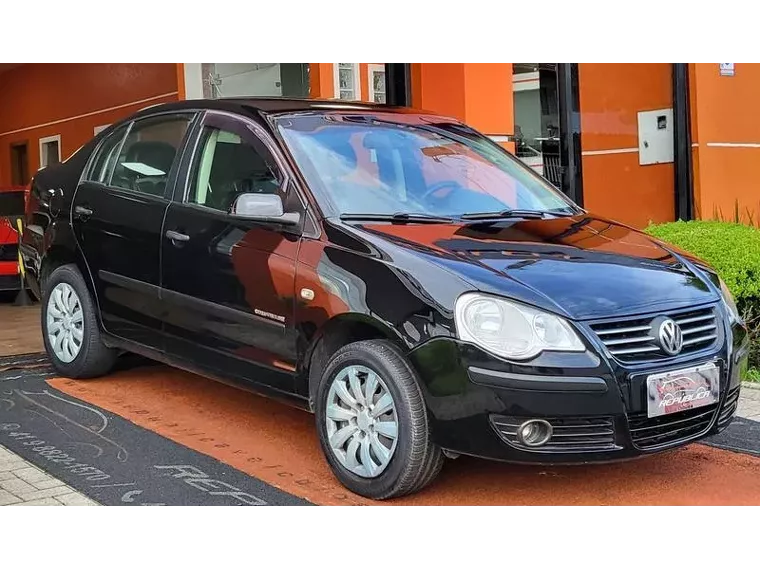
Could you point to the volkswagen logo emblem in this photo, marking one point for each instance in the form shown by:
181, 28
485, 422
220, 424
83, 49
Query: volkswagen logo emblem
670, 336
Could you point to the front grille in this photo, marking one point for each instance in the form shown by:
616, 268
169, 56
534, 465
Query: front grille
9, 252
635, 340
570, 434
729, 407
652, 432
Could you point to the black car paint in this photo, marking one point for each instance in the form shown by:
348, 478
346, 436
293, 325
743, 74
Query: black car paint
201, 308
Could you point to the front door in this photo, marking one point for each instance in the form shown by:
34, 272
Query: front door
117, 214
228, 282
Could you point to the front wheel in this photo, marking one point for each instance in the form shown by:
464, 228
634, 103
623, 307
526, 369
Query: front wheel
372, 422
70, 328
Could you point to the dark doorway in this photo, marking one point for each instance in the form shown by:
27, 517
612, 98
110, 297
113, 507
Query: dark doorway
547, 133
19, 164
536, 112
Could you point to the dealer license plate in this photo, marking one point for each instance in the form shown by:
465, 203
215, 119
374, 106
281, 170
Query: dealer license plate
680, 390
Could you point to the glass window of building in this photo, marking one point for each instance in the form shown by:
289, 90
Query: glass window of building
376, 75
347, 81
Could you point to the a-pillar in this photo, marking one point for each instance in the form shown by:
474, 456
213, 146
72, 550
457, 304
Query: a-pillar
479, 94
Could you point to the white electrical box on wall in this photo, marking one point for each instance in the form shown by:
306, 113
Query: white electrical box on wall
656, 137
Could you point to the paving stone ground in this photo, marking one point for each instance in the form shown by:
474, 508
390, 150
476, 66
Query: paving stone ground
22, 484
749, 403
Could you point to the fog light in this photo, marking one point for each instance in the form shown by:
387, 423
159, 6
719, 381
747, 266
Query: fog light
534, 433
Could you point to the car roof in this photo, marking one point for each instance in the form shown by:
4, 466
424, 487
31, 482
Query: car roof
276, 105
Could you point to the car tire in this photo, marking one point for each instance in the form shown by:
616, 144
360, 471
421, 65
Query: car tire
414, 460
66, 302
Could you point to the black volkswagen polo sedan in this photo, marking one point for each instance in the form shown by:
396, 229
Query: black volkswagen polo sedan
395, 272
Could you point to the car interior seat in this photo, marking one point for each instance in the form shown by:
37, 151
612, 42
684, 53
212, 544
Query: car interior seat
238, 169
146, 166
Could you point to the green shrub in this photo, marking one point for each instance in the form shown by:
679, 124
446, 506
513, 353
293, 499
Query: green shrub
733, 250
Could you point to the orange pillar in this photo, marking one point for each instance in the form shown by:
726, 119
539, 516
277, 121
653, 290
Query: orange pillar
321, 80
479, 94
181, 93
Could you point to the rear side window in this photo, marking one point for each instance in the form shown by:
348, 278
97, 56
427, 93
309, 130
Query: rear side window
106, 156
148, 153
143, 160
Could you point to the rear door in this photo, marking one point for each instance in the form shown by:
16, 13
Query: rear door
228, 282
117, 214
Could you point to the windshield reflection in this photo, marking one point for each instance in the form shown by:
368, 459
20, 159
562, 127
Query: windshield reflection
358, 164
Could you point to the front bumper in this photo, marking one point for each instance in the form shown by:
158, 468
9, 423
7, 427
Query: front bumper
596, 406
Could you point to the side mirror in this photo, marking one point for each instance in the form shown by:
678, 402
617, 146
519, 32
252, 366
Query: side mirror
263, 207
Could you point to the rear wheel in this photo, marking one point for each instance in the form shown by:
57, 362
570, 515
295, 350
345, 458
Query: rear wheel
372, 421
70, 328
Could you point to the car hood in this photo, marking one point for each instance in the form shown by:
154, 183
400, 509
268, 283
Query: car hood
584, 267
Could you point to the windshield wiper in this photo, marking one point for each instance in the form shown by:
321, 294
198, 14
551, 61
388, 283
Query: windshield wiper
399, 217
508, 213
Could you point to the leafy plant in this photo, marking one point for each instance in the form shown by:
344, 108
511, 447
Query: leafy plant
733, 250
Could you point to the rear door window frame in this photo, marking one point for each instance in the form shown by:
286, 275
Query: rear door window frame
193, 117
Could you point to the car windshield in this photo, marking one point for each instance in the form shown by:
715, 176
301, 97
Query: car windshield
399, 164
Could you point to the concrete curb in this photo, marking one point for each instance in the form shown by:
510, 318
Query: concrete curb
751, 385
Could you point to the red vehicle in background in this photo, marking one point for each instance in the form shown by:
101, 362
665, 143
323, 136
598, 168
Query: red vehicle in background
10, 278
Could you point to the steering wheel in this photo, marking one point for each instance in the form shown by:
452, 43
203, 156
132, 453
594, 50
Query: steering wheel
439, 186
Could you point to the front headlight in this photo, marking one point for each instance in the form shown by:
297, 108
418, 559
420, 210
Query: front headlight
512, 330
729, 301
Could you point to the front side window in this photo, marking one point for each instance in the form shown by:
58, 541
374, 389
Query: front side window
381, 165
227, 167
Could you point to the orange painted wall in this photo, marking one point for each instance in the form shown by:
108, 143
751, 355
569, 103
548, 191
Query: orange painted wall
33, 95
615, 185
480, 94
723, 112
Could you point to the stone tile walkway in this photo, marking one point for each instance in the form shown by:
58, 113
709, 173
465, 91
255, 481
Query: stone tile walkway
22, 484
749, 402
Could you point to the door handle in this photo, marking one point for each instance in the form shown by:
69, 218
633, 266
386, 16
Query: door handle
176, 236
82, 212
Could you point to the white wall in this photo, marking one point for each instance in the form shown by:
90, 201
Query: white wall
193, 81
249, 79
237, 80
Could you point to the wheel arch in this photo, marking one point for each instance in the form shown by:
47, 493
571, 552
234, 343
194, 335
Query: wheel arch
58, 255
340, 330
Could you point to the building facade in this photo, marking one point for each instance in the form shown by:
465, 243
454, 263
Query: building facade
639, 143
